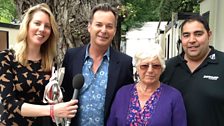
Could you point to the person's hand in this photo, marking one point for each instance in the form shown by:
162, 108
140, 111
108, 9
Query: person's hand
66, 109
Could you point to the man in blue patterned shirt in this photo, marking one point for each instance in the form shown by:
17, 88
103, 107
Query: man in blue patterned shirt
105, 70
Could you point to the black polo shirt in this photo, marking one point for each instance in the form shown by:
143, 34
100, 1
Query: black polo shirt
202, 90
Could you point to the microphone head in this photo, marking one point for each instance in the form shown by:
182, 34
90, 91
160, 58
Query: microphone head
78, 81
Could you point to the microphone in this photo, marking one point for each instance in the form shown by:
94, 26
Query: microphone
77, 83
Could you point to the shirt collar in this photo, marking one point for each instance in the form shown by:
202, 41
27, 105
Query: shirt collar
106, 55
211, 58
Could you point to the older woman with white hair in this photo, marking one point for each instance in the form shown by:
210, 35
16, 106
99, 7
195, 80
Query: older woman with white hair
148, 102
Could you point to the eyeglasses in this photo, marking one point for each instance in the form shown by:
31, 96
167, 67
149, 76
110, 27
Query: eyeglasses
146, 66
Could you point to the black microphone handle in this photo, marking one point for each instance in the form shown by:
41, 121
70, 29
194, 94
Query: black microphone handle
75, 96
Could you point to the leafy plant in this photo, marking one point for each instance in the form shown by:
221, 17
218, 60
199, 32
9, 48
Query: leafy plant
136, 12
7, 11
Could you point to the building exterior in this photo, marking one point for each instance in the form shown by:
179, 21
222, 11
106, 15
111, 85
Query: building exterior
160, 34
170, 40
139, 38
213, 11
8, 34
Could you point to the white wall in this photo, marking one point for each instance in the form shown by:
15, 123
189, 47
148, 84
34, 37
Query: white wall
171, 37
12, 33
219, 24
216, 21
168, 44
160, 37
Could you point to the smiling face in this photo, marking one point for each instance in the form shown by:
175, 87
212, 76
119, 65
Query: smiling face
39, 29
195, 40
102, 28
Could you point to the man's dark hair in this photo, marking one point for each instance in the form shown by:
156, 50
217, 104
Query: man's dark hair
103, 7
198, 18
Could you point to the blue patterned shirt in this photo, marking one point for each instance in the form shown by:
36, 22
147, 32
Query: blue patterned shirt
93, 92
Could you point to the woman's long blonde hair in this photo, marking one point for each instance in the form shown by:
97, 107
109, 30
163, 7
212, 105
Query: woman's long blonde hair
48, 49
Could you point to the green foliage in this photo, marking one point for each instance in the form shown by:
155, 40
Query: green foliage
189, 6
127, 14
7, 11
136, 12
169, 6
139, 11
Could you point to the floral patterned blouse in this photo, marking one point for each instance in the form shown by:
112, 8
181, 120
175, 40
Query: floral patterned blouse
141, 117
19, 84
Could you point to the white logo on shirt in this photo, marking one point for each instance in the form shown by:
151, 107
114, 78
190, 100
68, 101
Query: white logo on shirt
211, 77
212, 56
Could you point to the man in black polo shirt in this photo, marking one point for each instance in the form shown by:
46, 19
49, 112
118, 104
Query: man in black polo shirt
199, 74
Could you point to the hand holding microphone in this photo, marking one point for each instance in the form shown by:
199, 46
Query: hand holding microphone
77, 83
66, 109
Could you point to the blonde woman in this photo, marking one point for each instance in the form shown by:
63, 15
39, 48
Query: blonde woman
148, 102
26, 69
